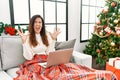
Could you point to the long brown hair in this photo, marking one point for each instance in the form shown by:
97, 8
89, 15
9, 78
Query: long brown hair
32, 37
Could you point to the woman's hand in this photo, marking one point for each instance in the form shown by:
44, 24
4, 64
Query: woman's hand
55, 33
23, 37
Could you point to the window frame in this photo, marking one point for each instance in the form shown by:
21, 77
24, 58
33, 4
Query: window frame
12, 17
89, 23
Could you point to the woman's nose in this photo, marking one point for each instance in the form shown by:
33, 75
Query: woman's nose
38, 23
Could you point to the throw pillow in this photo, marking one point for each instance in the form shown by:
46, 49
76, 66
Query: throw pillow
65, 45
11, 52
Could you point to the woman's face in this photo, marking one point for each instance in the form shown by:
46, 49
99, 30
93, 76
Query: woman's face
37, 25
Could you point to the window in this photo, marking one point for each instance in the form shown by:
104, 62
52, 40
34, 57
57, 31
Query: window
89, 11
54, 13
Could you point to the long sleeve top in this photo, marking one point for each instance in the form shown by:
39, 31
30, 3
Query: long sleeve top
30, 51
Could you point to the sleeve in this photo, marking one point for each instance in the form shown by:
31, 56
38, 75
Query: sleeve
27, 50
51, 46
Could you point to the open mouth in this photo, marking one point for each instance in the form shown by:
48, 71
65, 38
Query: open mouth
38, 28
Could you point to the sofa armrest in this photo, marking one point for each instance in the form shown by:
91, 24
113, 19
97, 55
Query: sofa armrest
83, 59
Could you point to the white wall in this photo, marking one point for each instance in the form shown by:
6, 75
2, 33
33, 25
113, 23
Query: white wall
74, 23
73, 20
4, 11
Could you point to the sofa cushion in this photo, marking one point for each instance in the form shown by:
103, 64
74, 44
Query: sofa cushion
66, 45
11, 52
12, 72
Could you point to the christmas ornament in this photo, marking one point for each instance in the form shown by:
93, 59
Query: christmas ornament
101, 33
117, 29
113, 14
115, 21
112, 44
113, 4
98, 50
105, 10
98, 22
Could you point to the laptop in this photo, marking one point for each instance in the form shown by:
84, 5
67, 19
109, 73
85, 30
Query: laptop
58, 57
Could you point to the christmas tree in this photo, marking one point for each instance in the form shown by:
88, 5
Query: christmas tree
105, 41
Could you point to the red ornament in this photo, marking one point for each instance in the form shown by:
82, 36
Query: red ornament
98, 50
104, 27
98, 22
105, 11
113, 4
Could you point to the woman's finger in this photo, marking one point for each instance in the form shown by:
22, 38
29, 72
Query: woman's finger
58, 30
19, 32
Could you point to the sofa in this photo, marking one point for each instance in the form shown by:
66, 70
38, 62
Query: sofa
11, 55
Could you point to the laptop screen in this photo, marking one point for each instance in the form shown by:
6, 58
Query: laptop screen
59, 57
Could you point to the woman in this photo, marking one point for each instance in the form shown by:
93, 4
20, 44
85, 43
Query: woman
37, 45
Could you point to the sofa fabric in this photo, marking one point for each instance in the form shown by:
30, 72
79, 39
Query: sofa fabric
79, 58
12, 72
11, 52
5, 76
65, 44
86, 60
11, 55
